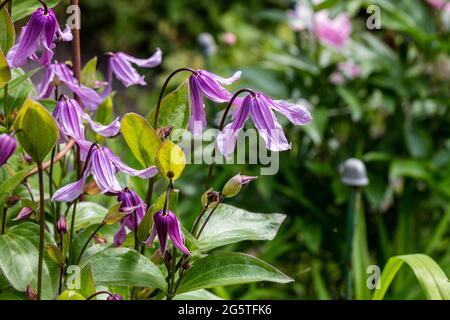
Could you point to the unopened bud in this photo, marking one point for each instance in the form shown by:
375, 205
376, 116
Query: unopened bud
210, 198
114, 297
186, 265
12, 200
164, 133
25, 213
62, 225
31, 294
235, 184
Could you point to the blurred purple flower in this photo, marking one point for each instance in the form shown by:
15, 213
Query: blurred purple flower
301, 17
41, 31
130, 201
60, 74
120, 64
114, 297
437, 4
206, 84
167, 224
345, 70
25, 213
333, 32
69, 116
260, 108
229, 38
7, 147
103, 164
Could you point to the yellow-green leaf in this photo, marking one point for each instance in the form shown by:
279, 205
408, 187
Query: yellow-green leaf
88, 75
114, 215
170, 160
141, 138
7, 34
70, 295
5, 71
55, 254
36, 130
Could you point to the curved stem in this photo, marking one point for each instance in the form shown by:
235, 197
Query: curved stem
161, 95
5, 210
44, 5
87, 242
41, 229
209, 217
222, 125
98, 293
4, 4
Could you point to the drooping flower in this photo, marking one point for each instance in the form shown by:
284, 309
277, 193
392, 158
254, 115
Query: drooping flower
205, 84
62, 226
333, 32
69, 116
120, 65
41, 32
260, 108
165, 225
25, 213
132, 203
114, 297
7, 147
103, 165
60, 74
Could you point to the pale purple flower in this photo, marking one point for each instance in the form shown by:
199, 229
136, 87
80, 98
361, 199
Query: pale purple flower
7, 147
69, 115
25, 213
120, 65
103, 165
260, 108
41, 32
132, 203
345, 70
60, 74
205, 84
333, 32
62, 226
437, 4
165, 225
301, 17
114, 297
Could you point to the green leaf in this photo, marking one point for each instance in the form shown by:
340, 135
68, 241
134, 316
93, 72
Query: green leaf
5, 72
55, 254
170, 160
24, 8
36, 130
352, 101
408, 168
141, 138
104, 113
229, 224
88, 214
432, 279
125, 267
114, 214
12, 183
197, 295
70, 295
8, 33
19, 89
87, 285
88, 76
223, 269
19, 259
175, 110
145, 226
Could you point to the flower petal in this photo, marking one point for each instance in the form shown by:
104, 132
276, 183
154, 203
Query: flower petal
150, 62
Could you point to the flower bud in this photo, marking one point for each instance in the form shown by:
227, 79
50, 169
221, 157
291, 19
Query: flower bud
31, 294
210, 198
12, 200
186, 265
235, 184
25, 213
114, 297
164, 133
62, 225
7, 147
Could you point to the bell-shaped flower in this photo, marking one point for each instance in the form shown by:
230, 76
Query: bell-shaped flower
205, 84
165, 225
132, 203
103, 165
24, 213
260, 108
69, 115
120, 65
60, 74
41, 32
61, 225
7, 147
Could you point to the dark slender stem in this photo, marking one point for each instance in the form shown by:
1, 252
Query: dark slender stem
353, 198
98, 293
5, 105
5, 210
199, 217
4, 4
10, 5
76, 51
72, 227
209, 217
161, 95
222, 125
50, 185
27, 186
87, 242
136, 241
44, 5
41, 229
148, 197
61, 269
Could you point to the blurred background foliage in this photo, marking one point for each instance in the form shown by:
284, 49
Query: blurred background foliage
394, 116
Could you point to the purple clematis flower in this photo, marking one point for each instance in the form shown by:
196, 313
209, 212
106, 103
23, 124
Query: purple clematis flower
62, 226
25, 213
60, 74
206, 84
167, 224
260, 108
333, 32
120, 64
69, 116
130, 202
7, 147
41, 31
103, 165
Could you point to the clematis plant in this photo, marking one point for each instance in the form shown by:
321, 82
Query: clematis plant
94, 201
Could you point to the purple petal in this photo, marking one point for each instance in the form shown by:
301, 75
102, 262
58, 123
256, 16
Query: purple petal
226, 139
107, 131
46, 87
151, 238
70, 192
161, 223
151, 62
120, 236
175, 233
125, 72
225, 81
197, 122
65, 35
211, 87
296, 113
144, 174
7, 147
268, 127
104, 171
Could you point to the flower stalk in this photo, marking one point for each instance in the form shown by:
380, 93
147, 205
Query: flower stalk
41, 228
